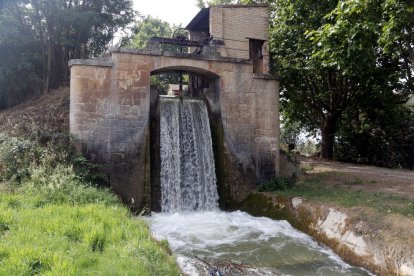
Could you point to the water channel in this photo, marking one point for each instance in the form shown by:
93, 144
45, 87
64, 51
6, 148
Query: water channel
206, 240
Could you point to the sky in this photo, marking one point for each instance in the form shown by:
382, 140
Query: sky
172, 11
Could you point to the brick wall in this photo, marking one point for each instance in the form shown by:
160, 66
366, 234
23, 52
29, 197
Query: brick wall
235, 24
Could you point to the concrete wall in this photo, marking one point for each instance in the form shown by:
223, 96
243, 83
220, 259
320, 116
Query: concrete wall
267, 127
110, 111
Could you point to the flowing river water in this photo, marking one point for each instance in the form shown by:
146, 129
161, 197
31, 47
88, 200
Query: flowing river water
207, 241
270, 247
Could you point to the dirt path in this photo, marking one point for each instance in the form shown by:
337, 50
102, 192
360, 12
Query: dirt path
361, 177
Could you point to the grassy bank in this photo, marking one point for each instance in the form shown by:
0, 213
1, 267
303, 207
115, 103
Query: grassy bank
67, 239
318, 189
39, 234
53, 222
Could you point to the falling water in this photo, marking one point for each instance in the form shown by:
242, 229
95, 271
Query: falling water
188, 183
188, 180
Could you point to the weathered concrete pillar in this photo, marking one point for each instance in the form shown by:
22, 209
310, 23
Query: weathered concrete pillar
266, 91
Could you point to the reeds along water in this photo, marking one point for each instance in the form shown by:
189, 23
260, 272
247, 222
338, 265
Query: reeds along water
188, 180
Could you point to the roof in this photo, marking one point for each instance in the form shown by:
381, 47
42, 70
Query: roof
200, 21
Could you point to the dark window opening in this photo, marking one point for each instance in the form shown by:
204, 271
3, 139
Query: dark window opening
256, 54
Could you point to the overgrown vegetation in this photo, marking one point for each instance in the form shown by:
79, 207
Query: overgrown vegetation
23, 159
54, 222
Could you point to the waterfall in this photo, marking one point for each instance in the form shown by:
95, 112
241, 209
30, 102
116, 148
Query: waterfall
188, 179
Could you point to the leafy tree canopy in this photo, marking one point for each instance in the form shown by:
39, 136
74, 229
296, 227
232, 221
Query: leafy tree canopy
331, 57
42, 35
342, 60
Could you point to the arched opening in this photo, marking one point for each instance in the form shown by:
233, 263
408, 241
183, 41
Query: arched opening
190, 82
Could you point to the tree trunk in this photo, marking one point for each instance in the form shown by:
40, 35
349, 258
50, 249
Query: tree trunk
49, 66
328, 130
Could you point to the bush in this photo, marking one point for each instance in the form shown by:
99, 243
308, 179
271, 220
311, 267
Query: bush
385, 142
276, 184
89, 172
54, 172
16, 157
62, 185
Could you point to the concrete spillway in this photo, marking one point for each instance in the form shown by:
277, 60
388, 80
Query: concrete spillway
188, 179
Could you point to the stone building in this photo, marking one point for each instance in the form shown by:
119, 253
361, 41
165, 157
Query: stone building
236, 31
114, 112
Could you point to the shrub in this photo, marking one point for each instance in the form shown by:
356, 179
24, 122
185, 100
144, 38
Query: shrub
62, 185
88, 171
275, 184
16, 156
383, 137
19, 156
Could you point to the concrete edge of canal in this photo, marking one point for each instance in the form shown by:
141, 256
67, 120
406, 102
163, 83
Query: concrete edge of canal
384, 244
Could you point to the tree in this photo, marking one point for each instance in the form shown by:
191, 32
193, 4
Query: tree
397, 37
62, 30
147, 27
21, 63
329, 56
306, 92
377, 132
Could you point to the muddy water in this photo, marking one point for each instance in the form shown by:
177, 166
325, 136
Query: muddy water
269, 247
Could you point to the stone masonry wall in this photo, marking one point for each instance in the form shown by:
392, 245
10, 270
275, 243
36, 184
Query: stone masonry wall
130, 94
90, 88
110, 111
237, 109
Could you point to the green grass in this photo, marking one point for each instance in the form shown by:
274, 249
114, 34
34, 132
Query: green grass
316, 190
69, 239
53, 223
